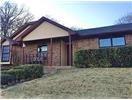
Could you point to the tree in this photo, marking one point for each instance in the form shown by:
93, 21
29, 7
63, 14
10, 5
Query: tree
75, 28
125, 19
12, 17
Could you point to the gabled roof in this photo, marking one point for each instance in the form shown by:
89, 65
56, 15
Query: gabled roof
34, 25
20, 30
105, 30
40, 21
79, 33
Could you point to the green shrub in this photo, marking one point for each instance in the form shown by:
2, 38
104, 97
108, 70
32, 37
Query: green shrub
6, 79
24, 72
104, 57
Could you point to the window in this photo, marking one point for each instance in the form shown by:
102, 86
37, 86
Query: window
118, 41
114, 41
5, 53
105, 42
43, 50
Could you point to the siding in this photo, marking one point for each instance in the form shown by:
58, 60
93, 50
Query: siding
45, 31
128, 39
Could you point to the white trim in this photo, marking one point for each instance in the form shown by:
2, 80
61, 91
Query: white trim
4, 63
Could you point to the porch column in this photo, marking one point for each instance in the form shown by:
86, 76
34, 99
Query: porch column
23, 53
51, 51
0, 51
10, 54
70, 53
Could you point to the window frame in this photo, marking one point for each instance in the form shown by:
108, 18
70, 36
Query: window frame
111, 39
5, 53
104, 46
39, 53
118, 45
42, 46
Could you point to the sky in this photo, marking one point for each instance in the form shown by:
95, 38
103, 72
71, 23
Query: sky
75, 13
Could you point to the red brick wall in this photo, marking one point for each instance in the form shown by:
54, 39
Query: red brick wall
55, 53
91, 43
31, 49
58, 53
84, 44
16, 55
128, 39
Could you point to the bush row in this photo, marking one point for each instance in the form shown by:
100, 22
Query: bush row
22, 72
104, 57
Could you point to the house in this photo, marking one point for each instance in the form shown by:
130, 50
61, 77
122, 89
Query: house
52, 44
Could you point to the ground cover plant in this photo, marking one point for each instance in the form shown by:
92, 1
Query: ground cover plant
77, 83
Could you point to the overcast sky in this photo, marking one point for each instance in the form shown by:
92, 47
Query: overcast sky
83, 14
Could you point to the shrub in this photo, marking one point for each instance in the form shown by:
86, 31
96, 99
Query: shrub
24, 72
18, 73
104, 57
6, 79
32, 70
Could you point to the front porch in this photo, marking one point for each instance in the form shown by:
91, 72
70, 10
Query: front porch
49, 52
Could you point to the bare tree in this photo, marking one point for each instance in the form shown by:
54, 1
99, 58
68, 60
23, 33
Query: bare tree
125, 19
76, 28
12, 17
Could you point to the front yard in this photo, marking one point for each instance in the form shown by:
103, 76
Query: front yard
77, 83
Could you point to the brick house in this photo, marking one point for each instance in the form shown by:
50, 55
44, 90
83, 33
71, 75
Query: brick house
47, 42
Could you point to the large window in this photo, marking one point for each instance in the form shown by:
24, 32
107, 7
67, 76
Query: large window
114, 41
119, 41
5, 53
105, 42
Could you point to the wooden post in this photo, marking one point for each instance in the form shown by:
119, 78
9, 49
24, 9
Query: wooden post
51, 51
70, 50
23, 46
0, 52
10, 52
22, 55
60, 52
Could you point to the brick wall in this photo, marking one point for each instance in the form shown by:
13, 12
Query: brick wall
17, 52
84, 44
16, 55
55, 53
128, 39
59, 48
91, 43
31, 49
58, 53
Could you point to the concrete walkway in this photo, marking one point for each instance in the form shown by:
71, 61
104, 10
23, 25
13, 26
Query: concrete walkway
53, 69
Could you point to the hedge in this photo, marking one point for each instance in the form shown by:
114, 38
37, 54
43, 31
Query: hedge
104, 57
24, 72
6, 79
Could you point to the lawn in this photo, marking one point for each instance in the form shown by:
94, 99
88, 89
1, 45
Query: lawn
77, 83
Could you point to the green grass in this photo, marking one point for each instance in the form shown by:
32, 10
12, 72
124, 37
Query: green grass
77, 83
